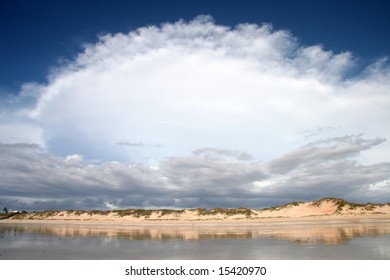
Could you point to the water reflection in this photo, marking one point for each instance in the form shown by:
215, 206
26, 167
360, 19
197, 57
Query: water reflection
308, 240
306, 233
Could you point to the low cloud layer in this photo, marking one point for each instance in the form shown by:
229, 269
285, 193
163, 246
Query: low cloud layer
35, 178
195, 114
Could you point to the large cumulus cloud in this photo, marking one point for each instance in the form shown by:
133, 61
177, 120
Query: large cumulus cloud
192, 114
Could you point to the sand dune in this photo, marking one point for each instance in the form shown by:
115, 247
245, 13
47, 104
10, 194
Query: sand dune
326, 208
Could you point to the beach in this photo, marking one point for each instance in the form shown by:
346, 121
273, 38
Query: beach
322, 210
323, 229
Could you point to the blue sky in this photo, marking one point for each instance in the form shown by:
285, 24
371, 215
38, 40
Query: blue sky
38, 34
114, 104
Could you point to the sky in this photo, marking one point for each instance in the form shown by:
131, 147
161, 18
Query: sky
185, 104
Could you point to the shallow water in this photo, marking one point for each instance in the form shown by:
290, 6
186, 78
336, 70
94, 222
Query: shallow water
368, 239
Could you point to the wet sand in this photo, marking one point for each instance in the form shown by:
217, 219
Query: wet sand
319, 229
342, 238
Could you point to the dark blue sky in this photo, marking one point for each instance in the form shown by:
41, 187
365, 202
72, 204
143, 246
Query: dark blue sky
36, 35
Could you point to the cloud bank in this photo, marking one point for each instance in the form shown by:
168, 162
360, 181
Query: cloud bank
195, 114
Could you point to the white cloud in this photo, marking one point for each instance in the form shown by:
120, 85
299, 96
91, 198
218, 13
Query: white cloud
222, 109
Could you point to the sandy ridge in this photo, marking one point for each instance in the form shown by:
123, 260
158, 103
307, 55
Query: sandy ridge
325, 208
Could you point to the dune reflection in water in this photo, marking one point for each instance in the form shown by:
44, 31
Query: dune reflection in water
369, 239
304, 232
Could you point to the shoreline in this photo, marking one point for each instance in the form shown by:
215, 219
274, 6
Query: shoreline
239, 222
325, 229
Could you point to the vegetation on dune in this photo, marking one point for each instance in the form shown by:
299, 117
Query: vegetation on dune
74, 212
295, 203
98, 212
337, 201
341, 204
225, 211
273, 208
146, 213
46, 214
138, 213
164, 212
90, 212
